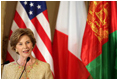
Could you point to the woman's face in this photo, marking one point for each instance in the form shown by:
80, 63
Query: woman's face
24, 46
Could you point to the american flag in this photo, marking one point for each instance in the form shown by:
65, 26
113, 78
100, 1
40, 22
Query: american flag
33, 15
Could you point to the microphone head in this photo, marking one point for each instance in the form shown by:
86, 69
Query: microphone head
28, 59
6, 62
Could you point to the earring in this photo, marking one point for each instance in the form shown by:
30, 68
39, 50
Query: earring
32, 47
16, 51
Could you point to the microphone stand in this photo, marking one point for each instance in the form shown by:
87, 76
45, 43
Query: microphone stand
24, 67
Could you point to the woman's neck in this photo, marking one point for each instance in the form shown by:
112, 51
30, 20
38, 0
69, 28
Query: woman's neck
21, 61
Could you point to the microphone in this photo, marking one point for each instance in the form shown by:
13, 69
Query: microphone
5, 62
24, 66
28, 59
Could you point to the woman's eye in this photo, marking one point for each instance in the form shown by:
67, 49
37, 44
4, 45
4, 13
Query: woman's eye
20, 44
27, 42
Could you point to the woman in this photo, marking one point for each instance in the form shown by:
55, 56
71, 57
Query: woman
22, 41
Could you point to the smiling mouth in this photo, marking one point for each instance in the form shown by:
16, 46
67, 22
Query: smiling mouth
26, 51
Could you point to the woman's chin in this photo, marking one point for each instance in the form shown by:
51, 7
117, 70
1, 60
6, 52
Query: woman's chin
25, 56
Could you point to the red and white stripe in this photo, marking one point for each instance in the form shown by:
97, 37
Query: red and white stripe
67, 41
41, 29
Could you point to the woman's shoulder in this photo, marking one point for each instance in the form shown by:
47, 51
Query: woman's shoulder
41, 63
11, 64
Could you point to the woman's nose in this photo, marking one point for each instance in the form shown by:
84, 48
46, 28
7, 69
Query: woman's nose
25, 46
